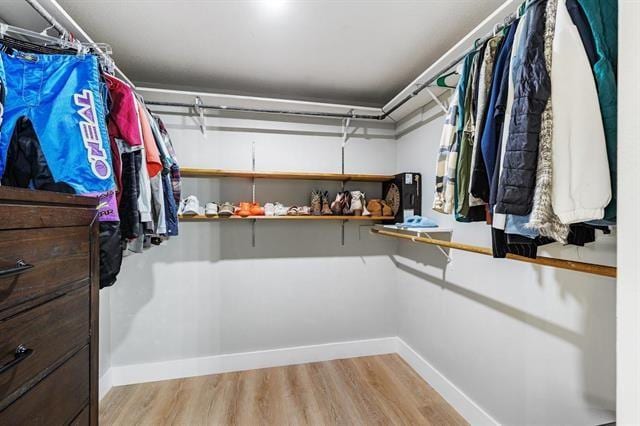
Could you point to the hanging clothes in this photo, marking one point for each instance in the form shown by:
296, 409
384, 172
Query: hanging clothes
493, 124
152, 155
603, 21
176, 180
466, 132
532, 90
60, 96
515, 66
442, 199
581, 183
479, 182
542, 218
499, 115
475, 201
507, 234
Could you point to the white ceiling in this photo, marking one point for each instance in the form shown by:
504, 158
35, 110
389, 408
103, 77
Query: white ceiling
356, 52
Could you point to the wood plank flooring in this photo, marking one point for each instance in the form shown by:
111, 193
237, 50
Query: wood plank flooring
375, 390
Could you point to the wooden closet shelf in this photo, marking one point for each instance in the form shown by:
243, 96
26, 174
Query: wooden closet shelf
590, 268
200, 218
338, 177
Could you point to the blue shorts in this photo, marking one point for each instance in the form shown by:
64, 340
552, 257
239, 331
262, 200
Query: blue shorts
60, 95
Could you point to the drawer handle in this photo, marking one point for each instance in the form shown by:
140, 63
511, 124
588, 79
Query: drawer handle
20, 355
20, 267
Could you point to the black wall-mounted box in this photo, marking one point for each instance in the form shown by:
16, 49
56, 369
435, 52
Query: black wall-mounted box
410, 186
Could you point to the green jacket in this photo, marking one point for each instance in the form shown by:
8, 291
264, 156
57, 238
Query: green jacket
466, 130
602, 16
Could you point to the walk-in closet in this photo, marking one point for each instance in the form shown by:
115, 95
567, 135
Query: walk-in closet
308, 212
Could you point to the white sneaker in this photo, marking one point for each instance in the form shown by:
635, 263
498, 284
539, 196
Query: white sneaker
280, 210
191, 206
211, 209
269, 209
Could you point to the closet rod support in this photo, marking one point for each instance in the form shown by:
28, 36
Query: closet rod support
198, 106
437, 101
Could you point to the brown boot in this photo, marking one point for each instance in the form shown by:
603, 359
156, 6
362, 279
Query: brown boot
386, 209
326, 209
346, 207
316, 203
375, 207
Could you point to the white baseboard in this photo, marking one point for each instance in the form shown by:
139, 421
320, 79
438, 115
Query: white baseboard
464, 405
105, 383
152, 372
166, 370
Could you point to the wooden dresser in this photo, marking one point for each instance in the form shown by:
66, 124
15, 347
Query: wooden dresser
49, 273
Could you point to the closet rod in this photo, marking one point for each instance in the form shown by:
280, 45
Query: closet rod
49, 18
589, 268
507, 21
266, 111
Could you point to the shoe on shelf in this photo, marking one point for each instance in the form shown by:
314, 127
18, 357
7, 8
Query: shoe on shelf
338, 204
316, 203
326, 209
292, 211
357, 207
387, 211
304, 211
244, 209
281, 210
191, 206
375, 207
256, 210
269, 209
211, 209
346, 206
227, 209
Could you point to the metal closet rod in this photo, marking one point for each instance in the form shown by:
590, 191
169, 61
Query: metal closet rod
508, 21
49, 18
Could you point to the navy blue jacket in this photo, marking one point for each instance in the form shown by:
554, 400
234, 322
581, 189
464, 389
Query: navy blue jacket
492, 128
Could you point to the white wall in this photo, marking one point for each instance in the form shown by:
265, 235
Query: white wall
628, 295
530, 345
104, 332
209, 292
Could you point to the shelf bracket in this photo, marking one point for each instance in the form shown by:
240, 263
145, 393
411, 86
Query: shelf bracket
436, 100
200, 111
443, 251
342, 223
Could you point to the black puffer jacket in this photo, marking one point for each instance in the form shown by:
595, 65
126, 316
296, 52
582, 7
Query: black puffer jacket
533, 88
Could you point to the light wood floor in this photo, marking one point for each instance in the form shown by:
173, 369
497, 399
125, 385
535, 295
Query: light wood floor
357, 391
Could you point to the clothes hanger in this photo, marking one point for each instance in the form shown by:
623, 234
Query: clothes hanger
442, 80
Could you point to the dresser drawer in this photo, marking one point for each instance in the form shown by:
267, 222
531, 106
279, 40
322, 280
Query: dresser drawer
57, 399
48, 332
24, 216
83, 419
59, 256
